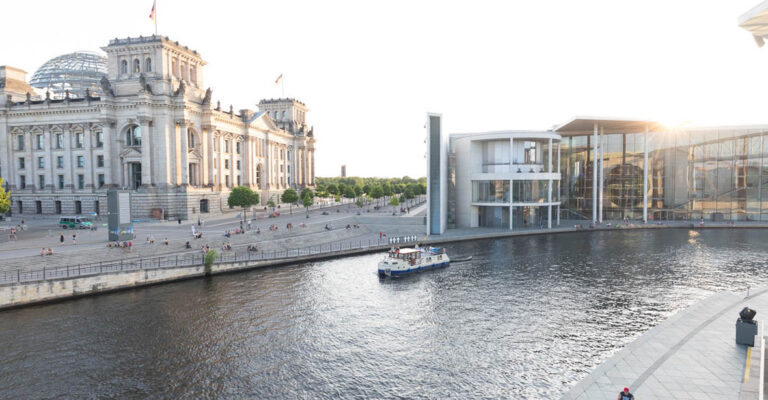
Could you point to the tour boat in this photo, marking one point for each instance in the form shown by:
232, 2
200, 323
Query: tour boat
405, 261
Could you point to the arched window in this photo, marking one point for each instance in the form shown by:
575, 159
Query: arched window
283, 115
148, 67
133, 136
191, 138
124, 67
136, 66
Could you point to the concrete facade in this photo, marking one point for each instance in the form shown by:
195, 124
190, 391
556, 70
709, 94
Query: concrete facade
153, 130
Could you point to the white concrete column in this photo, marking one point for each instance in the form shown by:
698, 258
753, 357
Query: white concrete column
594, 175
549, 164
184, 152
511, 210
600, 187
221, 162
31, 162
146, 167
232, 165
645, 175
245, 165
6, 156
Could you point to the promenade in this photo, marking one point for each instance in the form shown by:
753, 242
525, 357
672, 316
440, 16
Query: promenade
691, 355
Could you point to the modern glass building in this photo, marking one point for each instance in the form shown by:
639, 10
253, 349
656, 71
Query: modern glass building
600, 169
508, 179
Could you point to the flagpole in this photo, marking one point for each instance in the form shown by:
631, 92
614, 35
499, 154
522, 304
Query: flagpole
282, 85
155, 17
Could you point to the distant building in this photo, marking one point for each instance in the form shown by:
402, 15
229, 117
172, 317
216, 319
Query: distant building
149, 125
343, 171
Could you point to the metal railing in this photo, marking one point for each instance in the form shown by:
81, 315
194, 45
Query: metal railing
189, 260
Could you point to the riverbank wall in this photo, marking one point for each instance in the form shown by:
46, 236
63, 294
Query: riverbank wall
21, 294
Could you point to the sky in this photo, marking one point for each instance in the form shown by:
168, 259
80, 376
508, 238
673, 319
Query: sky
369, 71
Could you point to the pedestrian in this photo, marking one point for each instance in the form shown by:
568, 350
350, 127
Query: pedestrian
74, 238
61, 239
198, 221
625, 395
179, 220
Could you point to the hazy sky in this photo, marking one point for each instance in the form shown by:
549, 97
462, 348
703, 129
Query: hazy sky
369, 71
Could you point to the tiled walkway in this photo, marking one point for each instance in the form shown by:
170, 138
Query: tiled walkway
692, 355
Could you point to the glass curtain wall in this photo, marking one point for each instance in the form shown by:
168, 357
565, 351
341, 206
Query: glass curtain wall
714, 174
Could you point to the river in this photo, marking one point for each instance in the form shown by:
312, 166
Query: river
525, 319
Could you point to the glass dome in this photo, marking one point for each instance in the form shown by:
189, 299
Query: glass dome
75, 72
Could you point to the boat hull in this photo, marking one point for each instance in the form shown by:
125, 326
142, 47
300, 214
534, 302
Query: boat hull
402, 268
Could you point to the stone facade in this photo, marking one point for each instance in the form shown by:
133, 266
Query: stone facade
153, 130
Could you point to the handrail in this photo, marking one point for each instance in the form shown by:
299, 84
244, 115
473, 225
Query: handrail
192, 259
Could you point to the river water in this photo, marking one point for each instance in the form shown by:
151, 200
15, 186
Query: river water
525, 319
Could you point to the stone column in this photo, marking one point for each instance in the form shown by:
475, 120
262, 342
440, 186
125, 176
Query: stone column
109, 141
209, 155
221, 161
69, 178
6, 156
49, 155
89, 158
31, 162
245, 161
146, 167
232, 146
184, 151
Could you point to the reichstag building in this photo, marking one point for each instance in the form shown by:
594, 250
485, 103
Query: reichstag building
141, 119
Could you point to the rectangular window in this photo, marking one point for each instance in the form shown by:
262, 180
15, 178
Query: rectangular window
226, 146
61, 181
80, 161
100, 161
22, 181
40, 142
238, 180
40, 162
238, 147
59, 141
101, 181
59, 161
99, 139
21, 162
227, 180
41, 181
20, 142
238, 165
226, 164
79, 140
80, 181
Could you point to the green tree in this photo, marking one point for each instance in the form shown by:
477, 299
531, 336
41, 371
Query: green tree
332, 189
242, 196
306, 199
359, 202
342, 188
5, 198
394, 203
358, 190
291, 197
387, 189
271, 203
210, 258
307, 192
349, 192
408, 193
337, 198
402, 198
367, 188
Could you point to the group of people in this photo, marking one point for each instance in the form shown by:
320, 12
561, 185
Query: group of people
228, 233
127, 245
48, 252
328, 227
74, 238
226, 245
355, 226
253, 248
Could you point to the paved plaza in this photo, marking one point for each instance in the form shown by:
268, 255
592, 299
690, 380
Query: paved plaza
692, 355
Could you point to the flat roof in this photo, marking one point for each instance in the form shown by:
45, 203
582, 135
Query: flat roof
756, 20
586, 125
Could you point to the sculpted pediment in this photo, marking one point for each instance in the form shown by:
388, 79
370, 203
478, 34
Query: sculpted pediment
263, 121
130, 152
195, 153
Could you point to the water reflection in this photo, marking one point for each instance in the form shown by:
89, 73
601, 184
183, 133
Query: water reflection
524, 319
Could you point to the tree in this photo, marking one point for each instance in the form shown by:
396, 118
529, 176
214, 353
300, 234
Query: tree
408, 193
290, 196
306, 199
358, 190
332, 189
394, 203
349, 192
210, 258
242, 196
387, 189
5, 198
367, 188
307, 192
271, 203
359, 202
